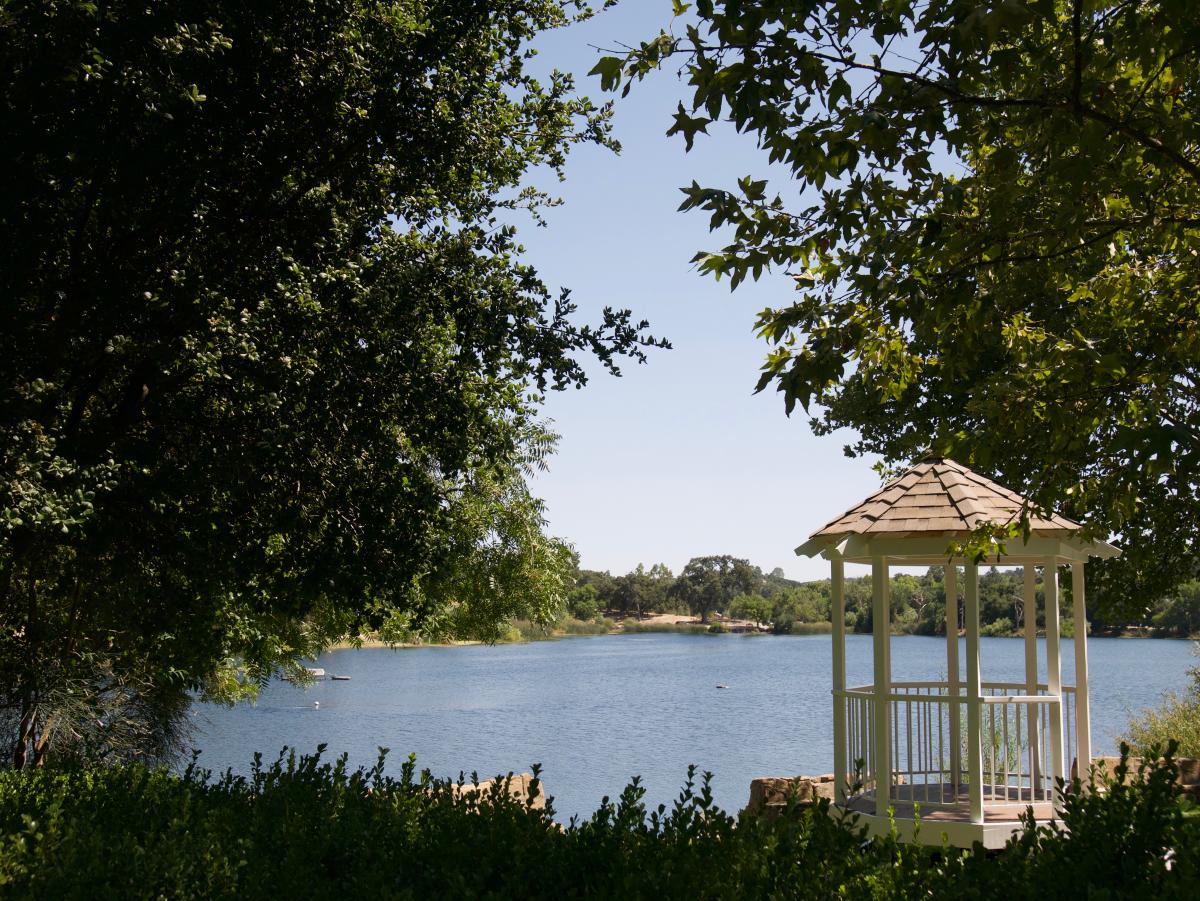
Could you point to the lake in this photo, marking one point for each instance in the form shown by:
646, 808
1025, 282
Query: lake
596, 711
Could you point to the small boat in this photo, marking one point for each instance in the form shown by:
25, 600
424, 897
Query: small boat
722, 685
316, 672
340, 678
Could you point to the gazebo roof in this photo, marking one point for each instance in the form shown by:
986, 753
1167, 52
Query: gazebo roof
943, 497
918, 516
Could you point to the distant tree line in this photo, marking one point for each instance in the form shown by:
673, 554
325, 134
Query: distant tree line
733, 587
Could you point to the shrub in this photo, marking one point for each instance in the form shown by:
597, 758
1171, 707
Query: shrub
1176, 719
572, 626
1001, 628
305, 828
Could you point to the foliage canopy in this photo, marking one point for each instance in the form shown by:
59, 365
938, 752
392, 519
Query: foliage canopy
271, 359
709, 584
996, 245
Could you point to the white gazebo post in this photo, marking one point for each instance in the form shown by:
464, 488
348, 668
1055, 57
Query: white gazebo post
880, 629
950, 580
1083, 726
1056, 764
974, 692
1029, 595
838, 615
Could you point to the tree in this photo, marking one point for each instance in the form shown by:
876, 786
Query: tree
808, 602
583, 602
753, 607
995, 247
659, 580
629, 593
709, 584
272, 361
1179, 612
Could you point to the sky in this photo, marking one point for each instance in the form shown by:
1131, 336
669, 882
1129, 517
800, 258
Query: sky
677, 458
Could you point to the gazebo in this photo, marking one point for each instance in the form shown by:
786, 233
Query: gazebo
965, 756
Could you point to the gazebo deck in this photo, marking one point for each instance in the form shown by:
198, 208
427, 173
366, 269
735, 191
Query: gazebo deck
906, 800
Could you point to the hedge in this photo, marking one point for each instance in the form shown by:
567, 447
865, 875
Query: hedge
302, 827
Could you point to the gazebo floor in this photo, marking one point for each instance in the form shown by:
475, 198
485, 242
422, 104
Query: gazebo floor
1000, 818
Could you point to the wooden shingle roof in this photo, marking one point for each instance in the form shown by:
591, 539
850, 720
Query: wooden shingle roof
938, 496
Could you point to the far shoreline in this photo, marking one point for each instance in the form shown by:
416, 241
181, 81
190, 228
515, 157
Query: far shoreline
675, 624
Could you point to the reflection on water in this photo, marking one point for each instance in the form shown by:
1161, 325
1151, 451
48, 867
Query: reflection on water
596, 711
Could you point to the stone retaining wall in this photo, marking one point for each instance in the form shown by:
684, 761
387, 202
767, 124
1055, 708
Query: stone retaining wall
769, 795
1189, 771
518, 788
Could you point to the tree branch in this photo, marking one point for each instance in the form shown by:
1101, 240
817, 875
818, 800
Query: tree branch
956, 96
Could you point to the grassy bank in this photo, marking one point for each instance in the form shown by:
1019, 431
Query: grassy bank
634, 627
525, 630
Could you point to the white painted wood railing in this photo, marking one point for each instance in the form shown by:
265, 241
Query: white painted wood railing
928, 742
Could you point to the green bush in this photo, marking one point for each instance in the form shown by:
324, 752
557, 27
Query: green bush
572, 626
583, 602
1001, 628
301, 828
1176, 719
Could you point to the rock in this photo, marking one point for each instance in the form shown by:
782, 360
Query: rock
1189, 771
770, 795
518, 788
823, 789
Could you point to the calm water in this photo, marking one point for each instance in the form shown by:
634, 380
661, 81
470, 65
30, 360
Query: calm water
596, 711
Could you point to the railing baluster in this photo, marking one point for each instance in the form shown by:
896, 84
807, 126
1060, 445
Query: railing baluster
997, 759
1006, 752
895, 729
862, 742
934, 709
1043, 751
908, 722
924, 755
1020, 774
858, 744
868, 731
1072, 754
930, 708
989, 760
847, 703
941, 755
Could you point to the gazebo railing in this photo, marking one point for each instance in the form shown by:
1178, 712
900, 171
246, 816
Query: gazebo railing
928, 742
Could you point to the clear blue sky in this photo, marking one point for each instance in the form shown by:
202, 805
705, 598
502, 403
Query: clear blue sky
677, 458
